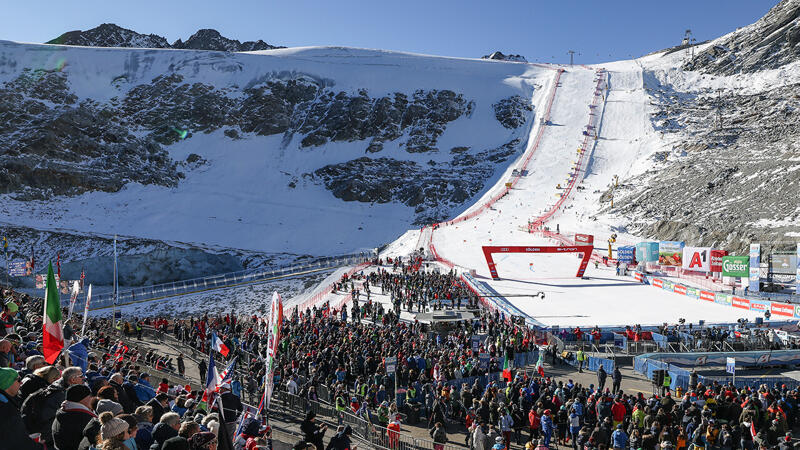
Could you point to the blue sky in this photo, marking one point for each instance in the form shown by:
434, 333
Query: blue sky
539, 30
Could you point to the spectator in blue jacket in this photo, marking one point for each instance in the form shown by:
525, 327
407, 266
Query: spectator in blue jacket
547, 427
619, 439
144, 390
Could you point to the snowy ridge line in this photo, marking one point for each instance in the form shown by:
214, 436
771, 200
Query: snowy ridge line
317, 298
584, 149
505, 190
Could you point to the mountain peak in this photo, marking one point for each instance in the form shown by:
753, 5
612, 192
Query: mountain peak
112, 35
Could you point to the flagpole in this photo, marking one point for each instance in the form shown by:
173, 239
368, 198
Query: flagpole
114, 307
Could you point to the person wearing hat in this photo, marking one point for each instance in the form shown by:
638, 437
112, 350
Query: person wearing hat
12, 429
204, 440
251, 430
313, 432
7, 318
498, 443
619, 439
547, 427
113, 431
72, 417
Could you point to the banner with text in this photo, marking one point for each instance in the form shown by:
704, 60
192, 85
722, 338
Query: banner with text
755, 265
670, 253
735, 266
697, 258
647, 251
716, 260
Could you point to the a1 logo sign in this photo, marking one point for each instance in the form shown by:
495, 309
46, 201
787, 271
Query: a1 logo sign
698, 259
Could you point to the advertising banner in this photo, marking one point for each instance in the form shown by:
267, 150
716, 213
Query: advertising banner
391, 364
584, 238
725, 299
483, 360
668, 285
697, 258
735, 266
797, 275
755, 264
730, 365
658, 282
782, 309
670, 253
647, 251
707, 296
716, 260
692, 292
679, 289
797, 311
626, 254
739, 302
17, 268
758, 305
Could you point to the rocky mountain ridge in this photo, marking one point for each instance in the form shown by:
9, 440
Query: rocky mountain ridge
112, 35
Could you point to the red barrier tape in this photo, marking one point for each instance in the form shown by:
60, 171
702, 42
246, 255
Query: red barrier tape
317, 298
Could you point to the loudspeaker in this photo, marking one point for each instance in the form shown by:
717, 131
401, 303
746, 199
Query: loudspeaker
658, 377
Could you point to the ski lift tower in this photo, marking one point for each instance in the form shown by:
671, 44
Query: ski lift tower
689, 41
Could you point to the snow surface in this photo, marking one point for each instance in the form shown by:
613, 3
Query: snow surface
241, 198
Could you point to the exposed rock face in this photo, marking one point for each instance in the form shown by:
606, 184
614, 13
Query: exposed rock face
55, 146
111, 35
207, 39
727, 185
769, 43
431, 190
58, 145
501, 57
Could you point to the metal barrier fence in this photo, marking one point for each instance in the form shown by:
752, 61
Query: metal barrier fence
376, 435
146, 293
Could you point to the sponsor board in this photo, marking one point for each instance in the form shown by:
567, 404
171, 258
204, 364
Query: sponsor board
797, 311
797, 276
782, 309
716, 260
755, 263
692, 292
735, 266
18, 268
707, 296
783, 264
670, 253
584, 238
679, 289
725, 299
697, 259
739, 302
758, 305
647, 251
668, 285
626, 254
638, 276
658, 282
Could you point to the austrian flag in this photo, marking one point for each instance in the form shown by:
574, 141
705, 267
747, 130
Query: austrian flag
218, 345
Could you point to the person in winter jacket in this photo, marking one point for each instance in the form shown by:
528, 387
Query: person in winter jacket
616, 380
47, 406
341, 440
479, 441
312, 431
73, 416
39, 379
506, 426
618, 412
13, 434
439, 436
619, 439
167, 428
144, 390
601, 378
534, 423
547, 427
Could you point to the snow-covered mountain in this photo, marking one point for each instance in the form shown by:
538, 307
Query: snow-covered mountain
265, 151
112, 35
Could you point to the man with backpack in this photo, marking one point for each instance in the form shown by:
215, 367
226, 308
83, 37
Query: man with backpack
39, 409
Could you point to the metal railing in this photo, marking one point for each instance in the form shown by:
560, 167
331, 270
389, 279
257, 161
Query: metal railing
376, 435
128, 296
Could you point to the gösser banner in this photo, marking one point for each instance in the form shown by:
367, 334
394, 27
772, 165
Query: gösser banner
670, 253
735, 266
697, 258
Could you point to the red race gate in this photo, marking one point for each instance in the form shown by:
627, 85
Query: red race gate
585, 249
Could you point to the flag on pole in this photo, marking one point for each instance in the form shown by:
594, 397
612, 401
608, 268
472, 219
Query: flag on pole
83, 277
33, 260
52, 337
73, 297
218, 345
226, 375
58, 264
274, 336
212, 381
86, 310
506, 369
540, 363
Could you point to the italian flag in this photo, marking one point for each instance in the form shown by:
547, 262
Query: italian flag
506, 369
540, 362
52, 338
